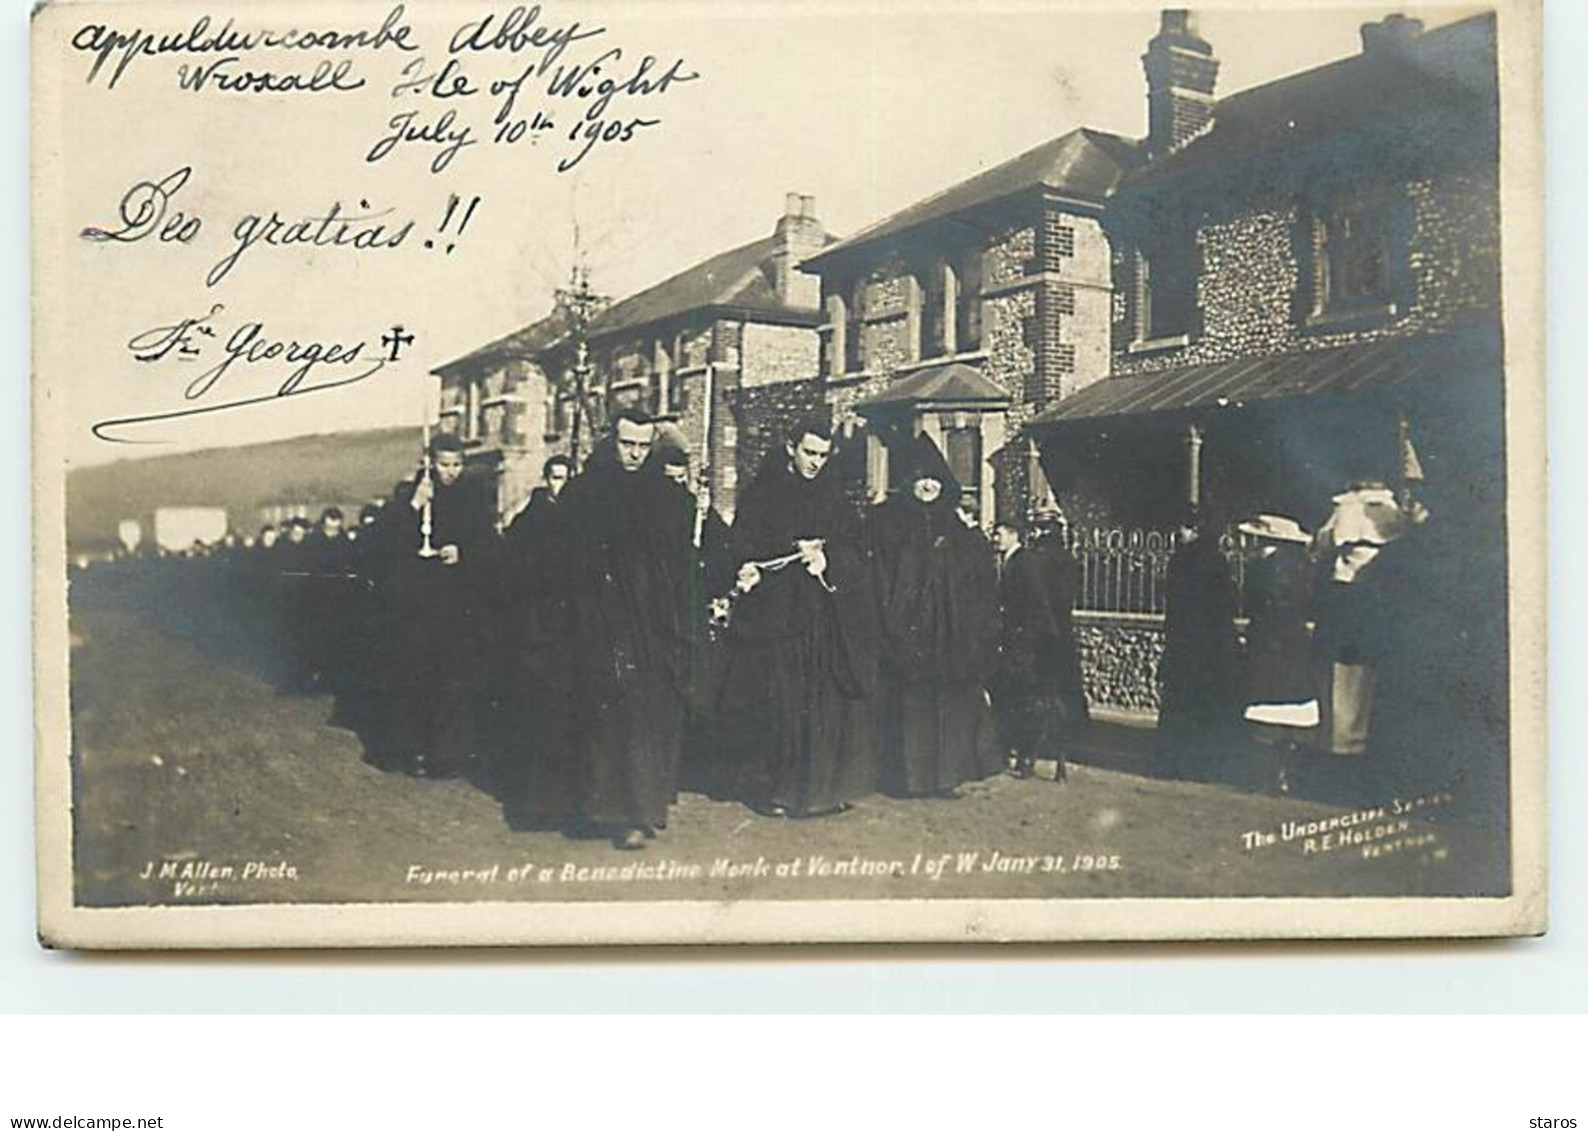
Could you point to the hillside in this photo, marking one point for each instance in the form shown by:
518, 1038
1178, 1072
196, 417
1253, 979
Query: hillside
342, 467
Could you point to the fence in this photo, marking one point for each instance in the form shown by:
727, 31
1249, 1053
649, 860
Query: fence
1126, 570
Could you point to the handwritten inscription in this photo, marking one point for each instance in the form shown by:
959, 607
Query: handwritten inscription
146, 210
422, 97
502, 79
106, 42
198, 338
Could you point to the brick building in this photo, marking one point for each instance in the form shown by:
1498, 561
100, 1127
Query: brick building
737, 330
969, 312
1315, 260
1304, 273
511, 402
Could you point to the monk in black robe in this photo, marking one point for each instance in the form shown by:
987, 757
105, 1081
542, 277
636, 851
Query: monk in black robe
325, 603
799, 663
540, 759
629, 570
940, 635
427, 702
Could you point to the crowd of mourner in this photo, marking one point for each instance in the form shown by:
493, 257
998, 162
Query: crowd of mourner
617, 641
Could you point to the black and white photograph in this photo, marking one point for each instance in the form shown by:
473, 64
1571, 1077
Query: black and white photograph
627, 472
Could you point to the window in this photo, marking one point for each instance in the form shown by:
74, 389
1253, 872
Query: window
962, 450
1352, 248
967, 304
1166, 289
833, 335
932, 321
854, 323
473, 414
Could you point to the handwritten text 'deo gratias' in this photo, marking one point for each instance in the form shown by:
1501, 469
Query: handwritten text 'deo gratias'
224, 44
147, 212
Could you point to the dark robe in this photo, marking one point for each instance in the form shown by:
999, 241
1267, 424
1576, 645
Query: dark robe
1200, 710
799, 663
540, 757
706, 769
358, 695
325, 594
627, 567
428, 625
939, 596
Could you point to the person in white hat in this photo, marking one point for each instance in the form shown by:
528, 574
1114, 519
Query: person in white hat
1281, 700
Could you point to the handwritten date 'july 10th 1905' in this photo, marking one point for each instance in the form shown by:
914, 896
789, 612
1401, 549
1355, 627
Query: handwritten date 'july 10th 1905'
545, 59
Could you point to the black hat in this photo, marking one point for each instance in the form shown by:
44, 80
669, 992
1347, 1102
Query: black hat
925, 461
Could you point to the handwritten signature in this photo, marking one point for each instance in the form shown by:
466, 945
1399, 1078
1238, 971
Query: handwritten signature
316, 367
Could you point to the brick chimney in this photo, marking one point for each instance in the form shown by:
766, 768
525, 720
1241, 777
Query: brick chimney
799, 235
1391, 35
1181, 73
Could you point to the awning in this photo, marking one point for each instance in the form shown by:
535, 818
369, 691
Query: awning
1355, 368
953, 385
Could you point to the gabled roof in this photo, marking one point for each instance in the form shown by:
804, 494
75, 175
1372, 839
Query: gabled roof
952, 383
523, 344
1438, 92
1083, 164
739, 280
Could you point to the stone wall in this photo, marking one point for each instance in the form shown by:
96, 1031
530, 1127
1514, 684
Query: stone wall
1119, 660
1251, 275
777, 353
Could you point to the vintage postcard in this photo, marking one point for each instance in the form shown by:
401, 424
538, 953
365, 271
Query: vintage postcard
599, 472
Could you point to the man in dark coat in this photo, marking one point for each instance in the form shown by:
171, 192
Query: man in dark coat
1199, 729
629, 566
1062, 665
799, 665
427, 701
939, 632
325, 603
1031, 690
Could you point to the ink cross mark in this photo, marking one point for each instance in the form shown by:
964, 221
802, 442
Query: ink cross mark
395, 340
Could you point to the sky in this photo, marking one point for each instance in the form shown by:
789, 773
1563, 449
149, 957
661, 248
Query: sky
866, 107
